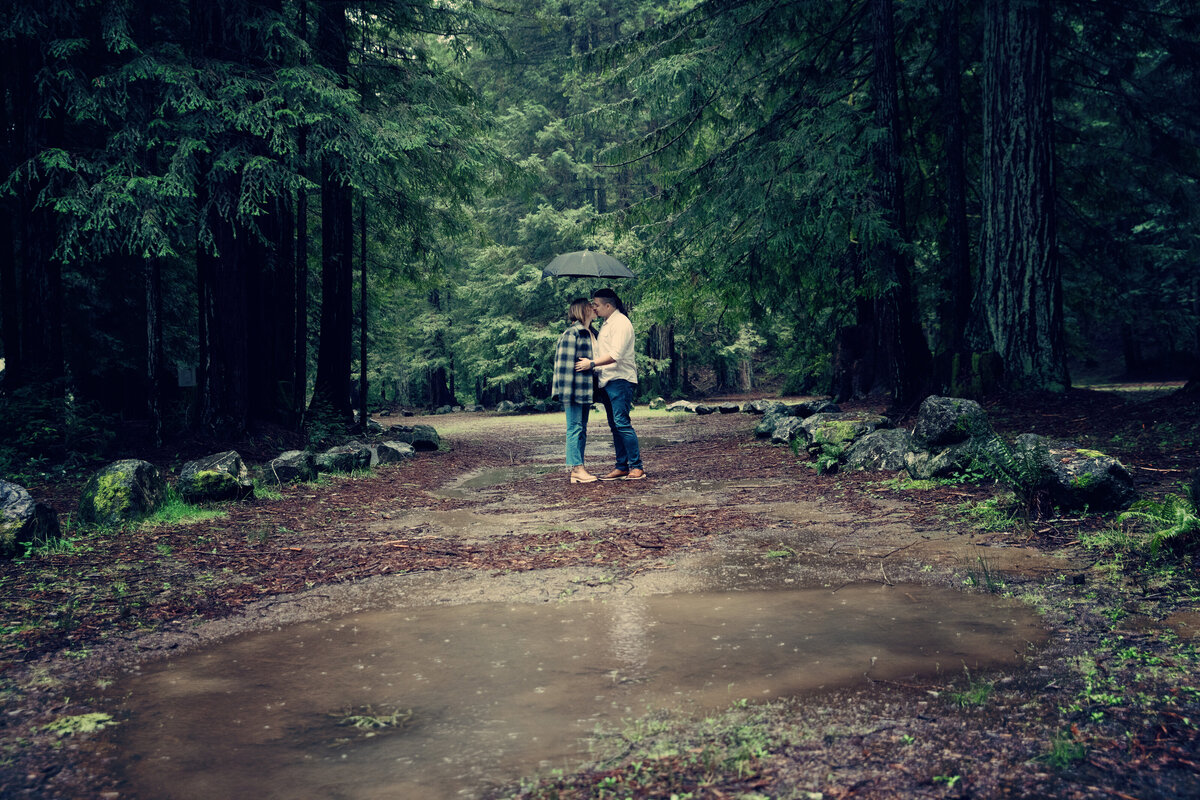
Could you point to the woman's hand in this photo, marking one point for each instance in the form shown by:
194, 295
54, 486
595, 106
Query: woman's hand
584, 364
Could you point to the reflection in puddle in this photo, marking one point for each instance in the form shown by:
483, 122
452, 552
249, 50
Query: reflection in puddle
477, 482
489, 692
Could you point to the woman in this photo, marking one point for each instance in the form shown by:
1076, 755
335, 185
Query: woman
574, 388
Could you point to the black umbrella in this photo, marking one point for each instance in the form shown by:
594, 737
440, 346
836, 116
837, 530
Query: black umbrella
586, 264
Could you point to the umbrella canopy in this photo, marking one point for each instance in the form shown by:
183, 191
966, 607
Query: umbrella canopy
586, 264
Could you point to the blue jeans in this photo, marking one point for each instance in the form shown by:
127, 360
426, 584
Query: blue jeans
577, 418
618, 401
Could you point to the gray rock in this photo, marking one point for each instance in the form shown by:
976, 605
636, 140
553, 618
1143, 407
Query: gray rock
728, 408
766, 425
785, 430
943, 421
703, 409
477, 409
948, 462
682, 405
507, 407
1076, 477
374, 427
291, 466
221, 476
23, 521
124, 491
444, 410
391, 452
657, 403
421, 437
880, 450
344, 458
763, 406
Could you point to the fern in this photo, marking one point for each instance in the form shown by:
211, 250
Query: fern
1174, 521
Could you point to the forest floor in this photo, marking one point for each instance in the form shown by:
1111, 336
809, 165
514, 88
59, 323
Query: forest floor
1108, 706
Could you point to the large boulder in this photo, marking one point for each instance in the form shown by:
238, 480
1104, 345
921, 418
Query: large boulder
727, 408
506, 407
344, 458
221, 476
391, 452
682, 405
703, 409
944, 421
657, 404
23, 521
124, 491
292, 466
887, 449
421, 437
1075, 477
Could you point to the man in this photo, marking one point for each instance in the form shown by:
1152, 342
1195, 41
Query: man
616, 367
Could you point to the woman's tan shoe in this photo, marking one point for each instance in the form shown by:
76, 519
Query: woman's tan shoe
583, 476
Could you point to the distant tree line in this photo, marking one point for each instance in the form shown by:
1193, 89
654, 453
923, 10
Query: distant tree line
317, 201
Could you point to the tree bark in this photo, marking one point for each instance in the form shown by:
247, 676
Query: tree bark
1020, 289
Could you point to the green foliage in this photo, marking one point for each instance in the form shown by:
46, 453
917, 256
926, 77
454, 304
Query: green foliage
43, 434
1173, 522
79, 724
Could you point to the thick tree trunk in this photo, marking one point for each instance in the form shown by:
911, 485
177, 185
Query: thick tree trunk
1020, 289
331, 390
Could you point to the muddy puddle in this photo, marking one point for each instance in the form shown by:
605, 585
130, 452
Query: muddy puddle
443, 701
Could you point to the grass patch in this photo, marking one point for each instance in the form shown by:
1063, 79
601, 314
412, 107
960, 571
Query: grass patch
176, 511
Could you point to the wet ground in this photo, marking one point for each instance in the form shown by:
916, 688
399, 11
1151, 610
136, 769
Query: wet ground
729, 574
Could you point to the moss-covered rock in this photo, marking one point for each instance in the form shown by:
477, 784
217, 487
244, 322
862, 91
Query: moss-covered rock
221, 476
124, 491
1076, 478
944, 421
840, 429
23, 521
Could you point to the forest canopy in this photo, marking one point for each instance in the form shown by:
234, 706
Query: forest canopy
230, 216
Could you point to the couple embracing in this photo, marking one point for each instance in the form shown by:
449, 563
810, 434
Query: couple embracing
598, 368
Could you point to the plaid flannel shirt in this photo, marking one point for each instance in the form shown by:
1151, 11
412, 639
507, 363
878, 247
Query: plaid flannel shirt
571, 386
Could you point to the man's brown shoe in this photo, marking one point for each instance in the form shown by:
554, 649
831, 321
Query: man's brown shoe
635, 474
615, 475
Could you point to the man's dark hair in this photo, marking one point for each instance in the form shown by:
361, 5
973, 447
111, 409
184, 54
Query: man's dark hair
609, 296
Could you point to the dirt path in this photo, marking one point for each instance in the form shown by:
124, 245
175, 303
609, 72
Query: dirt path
493, 518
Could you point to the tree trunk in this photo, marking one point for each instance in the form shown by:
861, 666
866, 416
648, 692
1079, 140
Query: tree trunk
300, 288
362, 318
1020, 290
903, 354
334, 348
956, 260
154, 346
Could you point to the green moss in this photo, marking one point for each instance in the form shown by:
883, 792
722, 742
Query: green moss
213, 481
837, 432
111, 498
1089, 453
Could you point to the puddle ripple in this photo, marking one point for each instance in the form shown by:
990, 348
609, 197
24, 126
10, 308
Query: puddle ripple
489, 692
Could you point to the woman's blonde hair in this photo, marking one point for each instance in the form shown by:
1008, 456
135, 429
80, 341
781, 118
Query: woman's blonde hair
578, 310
